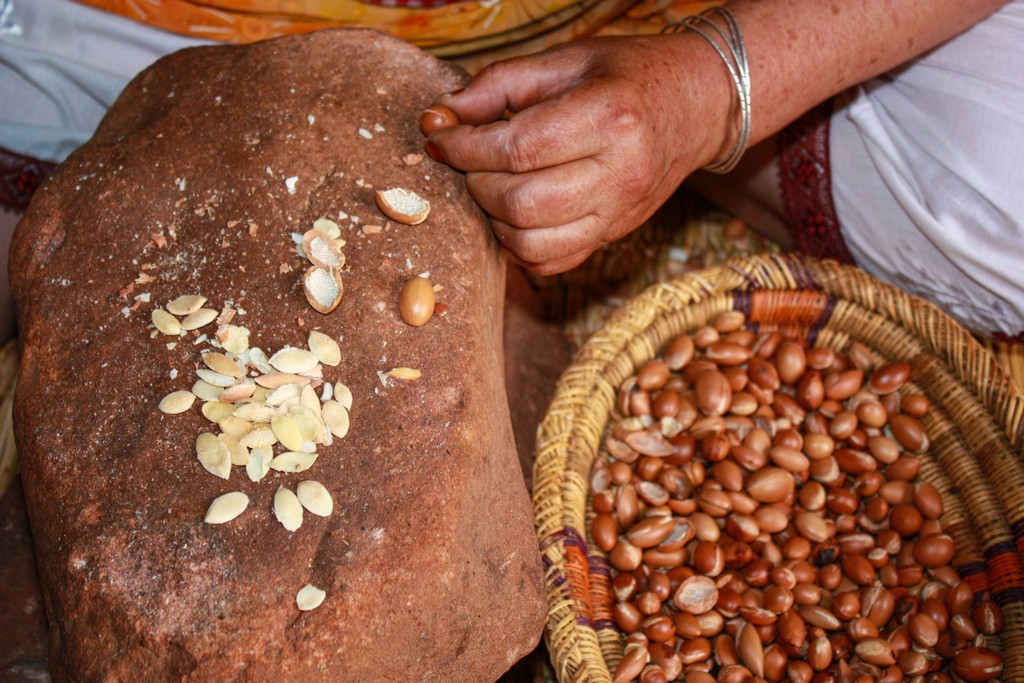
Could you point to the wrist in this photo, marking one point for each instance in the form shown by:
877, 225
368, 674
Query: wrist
716, 35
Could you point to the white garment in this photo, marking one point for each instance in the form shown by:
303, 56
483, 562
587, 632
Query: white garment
927, 174
62, 65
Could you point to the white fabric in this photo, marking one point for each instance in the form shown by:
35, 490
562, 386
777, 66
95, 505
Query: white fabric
62, 65
927, 174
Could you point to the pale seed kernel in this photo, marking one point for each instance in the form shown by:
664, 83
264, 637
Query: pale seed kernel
233, 338
309, 597
165, 322
235, 427
213, 455
324, 348
287, 432
343, 395
293, 461
215, 411
240, 392
186, 304
177, 402
328, 227
259, 462
204, 316
261, 436
225, 508
287, 509
315, 497
404, 373
275, 380
238, 453
221, 364
255, 412
215, 378
336, 418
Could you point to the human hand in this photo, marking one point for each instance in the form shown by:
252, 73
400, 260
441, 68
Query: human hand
602, 132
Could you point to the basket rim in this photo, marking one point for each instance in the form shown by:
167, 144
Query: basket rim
970, 363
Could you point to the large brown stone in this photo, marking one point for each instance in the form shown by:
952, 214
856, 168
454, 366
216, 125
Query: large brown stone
22, 619
429, 560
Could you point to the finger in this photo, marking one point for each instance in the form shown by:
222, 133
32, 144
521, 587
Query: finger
512, 85
552, 196
570, 127
541, 247
559, 266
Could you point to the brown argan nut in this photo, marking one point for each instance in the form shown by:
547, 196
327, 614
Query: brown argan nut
404, 206
323, 288
416, 303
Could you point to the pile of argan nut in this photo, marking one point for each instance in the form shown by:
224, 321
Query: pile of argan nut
761, 508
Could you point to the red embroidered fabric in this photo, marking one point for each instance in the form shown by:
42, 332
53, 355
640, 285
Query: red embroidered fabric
20, 175
806, 181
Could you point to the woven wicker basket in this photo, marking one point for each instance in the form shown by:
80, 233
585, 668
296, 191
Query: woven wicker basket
976, 426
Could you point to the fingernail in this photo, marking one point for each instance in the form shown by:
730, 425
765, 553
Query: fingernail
434, 151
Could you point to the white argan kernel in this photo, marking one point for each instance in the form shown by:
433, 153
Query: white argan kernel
187, 304
404, 206
316, 373
327, 393
287, 509
225, 508
305, 423
177, 402
234, 338
238, 453
221, 364
165, 322
309, 597
215, 378
261, 436
213, 455
324, 348
336, 418
323, 289
404, 373
259, 462
315, 497
206, 391
258, 360
204, 316
241, 391
275, 380
215, 411
255, 412
285, 392
287, 431
327, 227
309, 399
293, 461
343, 395
293, 360
235, 426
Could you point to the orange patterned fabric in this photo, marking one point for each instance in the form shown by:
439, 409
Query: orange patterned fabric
448, 28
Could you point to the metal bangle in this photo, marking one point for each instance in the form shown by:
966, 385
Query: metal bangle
734, 55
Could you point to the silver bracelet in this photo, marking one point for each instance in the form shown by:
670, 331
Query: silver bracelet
734, 54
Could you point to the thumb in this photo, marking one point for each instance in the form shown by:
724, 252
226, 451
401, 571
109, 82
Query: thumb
512, 85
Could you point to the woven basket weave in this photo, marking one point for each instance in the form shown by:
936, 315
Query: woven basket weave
976, 427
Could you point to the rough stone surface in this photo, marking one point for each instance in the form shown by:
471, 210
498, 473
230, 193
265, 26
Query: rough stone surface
22, 618
429, 560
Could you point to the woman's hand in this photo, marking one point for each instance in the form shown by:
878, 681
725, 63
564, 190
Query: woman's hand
601, 133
